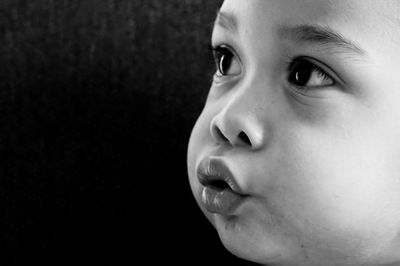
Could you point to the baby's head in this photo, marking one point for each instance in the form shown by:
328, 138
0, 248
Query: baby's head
295, 158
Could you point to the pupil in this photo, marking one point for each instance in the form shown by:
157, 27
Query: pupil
301, 73
225, 63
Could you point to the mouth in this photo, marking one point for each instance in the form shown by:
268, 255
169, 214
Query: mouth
220, 192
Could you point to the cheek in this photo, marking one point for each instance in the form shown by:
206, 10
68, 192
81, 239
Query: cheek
338, 192
199, 139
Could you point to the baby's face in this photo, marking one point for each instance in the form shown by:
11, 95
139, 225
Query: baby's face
295, 158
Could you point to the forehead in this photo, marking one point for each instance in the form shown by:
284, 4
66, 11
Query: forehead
367, 22
372, 10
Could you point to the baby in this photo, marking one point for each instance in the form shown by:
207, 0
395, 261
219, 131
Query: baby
295, 159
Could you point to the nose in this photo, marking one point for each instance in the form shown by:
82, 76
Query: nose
239, 124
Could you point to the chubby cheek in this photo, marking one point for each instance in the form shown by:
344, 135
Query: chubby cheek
199, 139
337, 193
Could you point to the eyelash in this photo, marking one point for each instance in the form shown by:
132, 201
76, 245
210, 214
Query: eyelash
306, 63
301, 66
314, 68
217, 52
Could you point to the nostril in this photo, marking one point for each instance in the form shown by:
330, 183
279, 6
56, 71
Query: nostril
243, 137
220, 135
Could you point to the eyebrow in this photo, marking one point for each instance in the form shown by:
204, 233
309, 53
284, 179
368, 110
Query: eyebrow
320, 35
312, 34
226, 20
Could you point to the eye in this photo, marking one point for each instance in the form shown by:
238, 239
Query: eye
226, 61
305, 74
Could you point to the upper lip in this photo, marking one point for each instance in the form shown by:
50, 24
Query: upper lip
212, 171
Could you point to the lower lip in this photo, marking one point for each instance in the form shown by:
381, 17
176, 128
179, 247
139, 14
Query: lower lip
223, 202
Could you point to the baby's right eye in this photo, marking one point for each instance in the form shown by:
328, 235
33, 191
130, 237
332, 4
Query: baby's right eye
226, 61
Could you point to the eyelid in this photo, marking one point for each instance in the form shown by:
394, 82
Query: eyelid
218, 48
330, 72
219, 51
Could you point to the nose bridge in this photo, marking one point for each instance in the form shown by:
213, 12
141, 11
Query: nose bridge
241, 121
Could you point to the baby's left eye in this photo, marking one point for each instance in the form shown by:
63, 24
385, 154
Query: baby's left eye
305, 74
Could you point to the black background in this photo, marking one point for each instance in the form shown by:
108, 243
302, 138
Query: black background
97, 101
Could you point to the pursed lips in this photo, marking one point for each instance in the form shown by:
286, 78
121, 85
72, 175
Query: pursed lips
220, 192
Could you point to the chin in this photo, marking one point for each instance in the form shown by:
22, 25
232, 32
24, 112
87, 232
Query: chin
242, 239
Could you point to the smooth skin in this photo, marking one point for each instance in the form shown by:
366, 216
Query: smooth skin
320, 162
